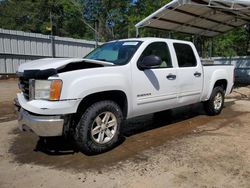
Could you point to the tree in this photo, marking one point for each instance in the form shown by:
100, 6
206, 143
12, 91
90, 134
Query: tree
138, 10
34, 16
106, 16
233, 43
114, 19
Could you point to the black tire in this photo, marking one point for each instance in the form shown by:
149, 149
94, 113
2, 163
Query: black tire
210, 107
85, 137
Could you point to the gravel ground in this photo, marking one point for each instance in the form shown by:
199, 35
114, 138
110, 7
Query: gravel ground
183, 149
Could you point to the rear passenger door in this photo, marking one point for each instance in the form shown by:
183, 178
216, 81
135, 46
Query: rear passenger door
190, 74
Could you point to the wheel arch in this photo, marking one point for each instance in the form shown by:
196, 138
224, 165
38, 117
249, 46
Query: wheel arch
221, 83
117, 96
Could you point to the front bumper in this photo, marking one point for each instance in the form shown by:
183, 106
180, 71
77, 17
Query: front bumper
44, 126
44, 107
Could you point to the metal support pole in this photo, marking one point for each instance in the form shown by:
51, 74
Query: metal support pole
169, 35
96, 35
95, 32
137, 32
210, 52
52, 37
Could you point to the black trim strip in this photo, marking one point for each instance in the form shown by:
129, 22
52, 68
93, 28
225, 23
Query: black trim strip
209, 65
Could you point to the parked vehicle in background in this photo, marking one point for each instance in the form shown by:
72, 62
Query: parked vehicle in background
88, 99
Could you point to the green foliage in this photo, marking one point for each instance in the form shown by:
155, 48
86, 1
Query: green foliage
232, 43
113, 19
107, 16
34, 16
140, 10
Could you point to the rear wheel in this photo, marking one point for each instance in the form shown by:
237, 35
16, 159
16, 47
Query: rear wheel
99, 127
216, 102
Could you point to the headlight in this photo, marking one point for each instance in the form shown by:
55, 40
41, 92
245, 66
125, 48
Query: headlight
45, 89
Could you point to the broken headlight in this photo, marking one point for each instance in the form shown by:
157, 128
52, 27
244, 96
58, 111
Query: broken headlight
45, 89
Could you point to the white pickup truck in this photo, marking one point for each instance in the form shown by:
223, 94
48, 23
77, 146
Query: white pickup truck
90, 98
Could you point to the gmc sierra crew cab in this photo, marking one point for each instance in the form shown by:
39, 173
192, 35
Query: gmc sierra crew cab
88, 99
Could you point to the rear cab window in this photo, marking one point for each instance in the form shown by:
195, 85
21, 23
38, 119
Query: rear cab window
185, 55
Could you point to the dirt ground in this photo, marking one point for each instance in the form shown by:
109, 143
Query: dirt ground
8, 90
181, 148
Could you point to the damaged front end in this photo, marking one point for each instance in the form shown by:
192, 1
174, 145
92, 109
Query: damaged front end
41, 119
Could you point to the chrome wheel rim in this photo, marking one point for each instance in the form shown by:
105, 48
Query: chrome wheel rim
104, 127
218, 101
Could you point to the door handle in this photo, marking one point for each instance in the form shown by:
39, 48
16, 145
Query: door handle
197, 74
171, 77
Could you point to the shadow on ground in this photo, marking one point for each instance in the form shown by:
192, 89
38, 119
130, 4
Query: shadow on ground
140, 134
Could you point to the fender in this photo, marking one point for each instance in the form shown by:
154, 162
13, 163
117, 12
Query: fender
219, 74
82, 83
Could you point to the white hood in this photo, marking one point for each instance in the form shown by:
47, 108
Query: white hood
55, 63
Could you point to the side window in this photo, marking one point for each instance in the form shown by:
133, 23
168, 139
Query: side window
185, 55
159, 49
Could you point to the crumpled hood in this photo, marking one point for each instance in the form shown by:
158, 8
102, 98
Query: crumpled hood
56, 63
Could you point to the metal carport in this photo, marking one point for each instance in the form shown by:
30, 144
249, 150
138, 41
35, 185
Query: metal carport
207, 18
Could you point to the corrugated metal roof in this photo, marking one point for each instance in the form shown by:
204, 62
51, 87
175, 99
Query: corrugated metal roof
199, 17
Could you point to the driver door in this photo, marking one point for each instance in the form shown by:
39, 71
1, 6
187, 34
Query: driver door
155, 89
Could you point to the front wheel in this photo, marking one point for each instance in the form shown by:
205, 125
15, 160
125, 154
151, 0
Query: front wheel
216, 102
99, 127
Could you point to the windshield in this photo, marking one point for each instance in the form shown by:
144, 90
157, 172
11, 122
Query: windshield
119, 52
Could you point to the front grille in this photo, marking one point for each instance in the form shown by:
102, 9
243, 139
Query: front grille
24, 86
28, 77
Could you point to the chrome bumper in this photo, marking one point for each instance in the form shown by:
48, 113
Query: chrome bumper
44, 126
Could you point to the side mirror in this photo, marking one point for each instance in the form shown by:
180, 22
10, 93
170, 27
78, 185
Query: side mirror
149, 62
